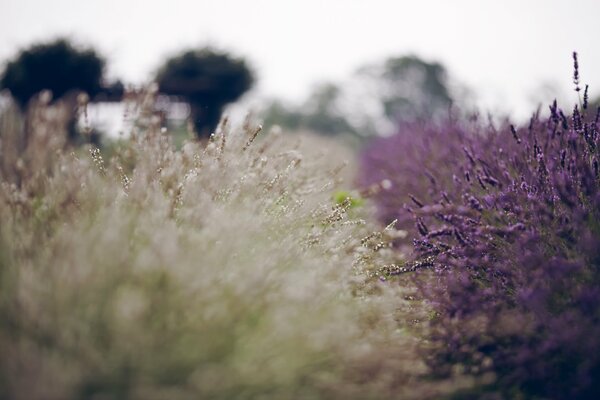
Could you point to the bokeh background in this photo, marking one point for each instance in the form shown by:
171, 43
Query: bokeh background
505, 57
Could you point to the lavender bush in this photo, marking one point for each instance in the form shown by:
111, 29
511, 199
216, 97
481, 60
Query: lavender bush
507, 222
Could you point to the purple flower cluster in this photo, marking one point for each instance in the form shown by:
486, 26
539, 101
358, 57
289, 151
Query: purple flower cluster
511, 217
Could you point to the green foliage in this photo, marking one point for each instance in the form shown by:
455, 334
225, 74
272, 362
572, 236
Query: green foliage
342, 196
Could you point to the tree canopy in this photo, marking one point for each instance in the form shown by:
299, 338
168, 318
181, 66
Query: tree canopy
57, 66
373, 100
414, 88
207, 80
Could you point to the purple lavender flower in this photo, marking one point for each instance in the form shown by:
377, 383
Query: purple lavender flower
513, 247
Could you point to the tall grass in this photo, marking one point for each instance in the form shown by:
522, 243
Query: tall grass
221, 270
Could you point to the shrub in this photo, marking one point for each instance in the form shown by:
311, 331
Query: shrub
401, 167
508, 221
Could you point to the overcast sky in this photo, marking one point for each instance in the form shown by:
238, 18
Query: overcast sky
504, 50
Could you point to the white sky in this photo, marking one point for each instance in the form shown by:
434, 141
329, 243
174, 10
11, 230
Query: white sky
504, 50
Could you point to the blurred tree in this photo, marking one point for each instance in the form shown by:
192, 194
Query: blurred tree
323, 112
276, 112
64, 70
410, 88
111, 92
207, 80
56, 66
374, 100
320, 113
